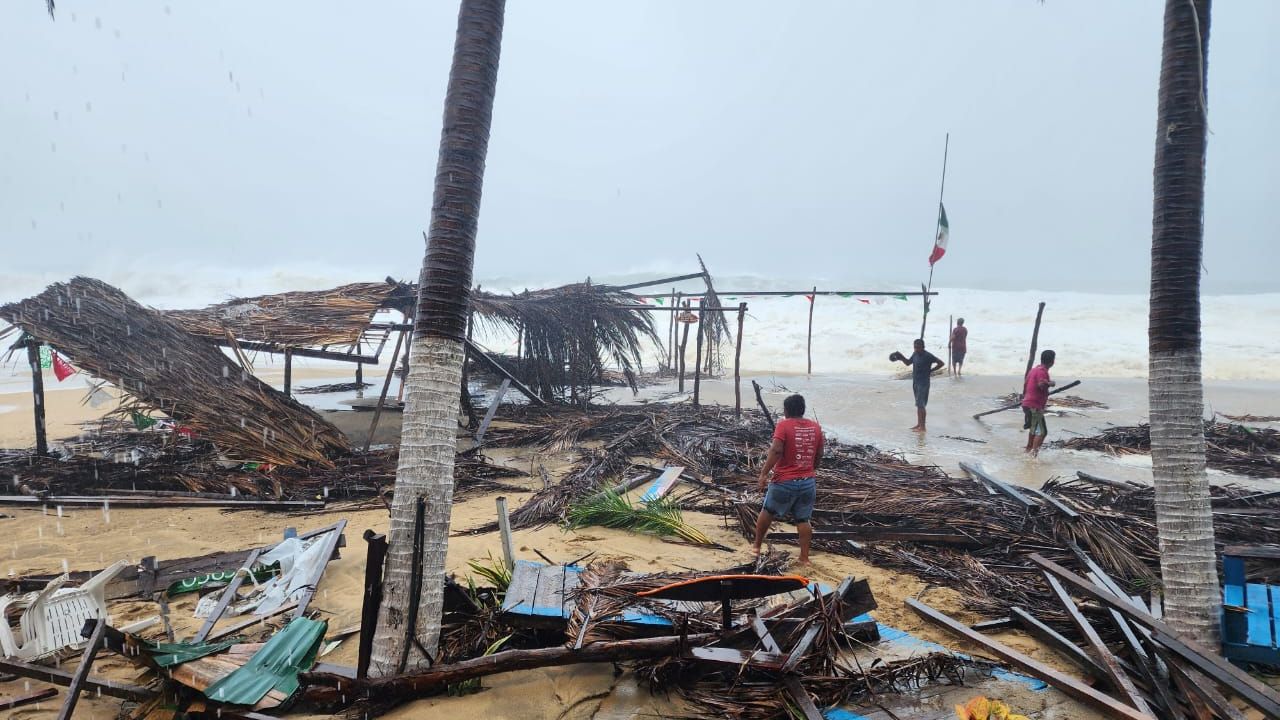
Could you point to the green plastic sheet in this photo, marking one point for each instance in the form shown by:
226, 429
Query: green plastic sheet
274, 667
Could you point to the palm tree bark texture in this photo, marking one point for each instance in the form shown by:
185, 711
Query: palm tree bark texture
428, 439
1183, 514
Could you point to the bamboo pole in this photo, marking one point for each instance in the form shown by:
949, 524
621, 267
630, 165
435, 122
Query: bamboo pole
37, 395
737, 363
1035, 339
684, 341
697, 359
671, 334
808, 350
675, 331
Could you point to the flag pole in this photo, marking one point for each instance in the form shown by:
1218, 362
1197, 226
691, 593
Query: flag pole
924, 319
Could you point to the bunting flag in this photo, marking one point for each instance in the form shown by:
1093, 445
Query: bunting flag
184, 430
61, 368
661, 301
46, 357
140, 421
864, 301
809, 298
900, 297
944, 231
845, 295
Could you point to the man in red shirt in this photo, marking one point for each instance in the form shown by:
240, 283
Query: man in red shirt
1035, 397
959, 346
793, 457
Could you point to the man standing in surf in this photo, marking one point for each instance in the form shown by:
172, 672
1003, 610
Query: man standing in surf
1035, 398
922, 363
959, 346
793, 457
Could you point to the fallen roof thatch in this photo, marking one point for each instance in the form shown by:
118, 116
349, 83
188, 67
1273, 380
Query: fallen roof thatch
163, 367
1239, 449
337, 316
567, 335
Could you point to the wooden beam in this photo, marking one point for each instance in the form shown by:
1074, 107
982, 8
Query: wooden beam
845, 532
331, 545
225, 599
1118, 678
659, 281
995, 625
1056, 642
737, 363
1257, 694
1011, 406
288, 372
298, 352
112, 688
382, 397
697, 357
37, 396
9, 703
808, 344
732, 656
493, 409
249, 622
1035, 340
476, 353
136, 501
762, 632
801, 698
1065, 510
1062, 682
82, 672
1194, 685
801, 648
1004, 488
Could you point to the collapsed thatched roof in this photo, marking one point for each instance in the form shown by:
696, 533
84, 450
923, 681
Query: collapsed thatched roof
569, 333
162, 366
336, 316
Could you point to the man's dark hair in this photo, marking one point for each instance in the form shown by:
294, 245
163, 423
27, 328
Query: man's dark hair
1047, 357
793, 406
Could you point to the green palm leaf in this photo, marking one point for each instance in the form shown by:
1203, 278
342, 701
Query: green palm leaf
660, 517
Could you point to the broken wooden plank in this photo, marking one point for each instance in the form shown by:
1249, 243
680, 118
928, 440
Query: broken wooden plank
476, 353
82, 672
1062, 682
1118, 484
228, 594
762, 632
999, 485
249, 622
845, 532
997, 624
665, 483
9, 703
1166, 703
1118, 678
732, 656
795, 689
151, 502
125, 691
493, 409
1065, 510
1194, 685
801, 648
331, 545
1057, 642
1206, 661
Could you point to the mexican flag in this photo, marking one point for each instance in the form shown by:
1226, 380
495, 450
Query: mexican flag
944, 231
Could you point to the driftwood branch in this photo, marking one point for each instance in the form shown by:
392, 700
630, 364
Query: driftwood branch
1011, 406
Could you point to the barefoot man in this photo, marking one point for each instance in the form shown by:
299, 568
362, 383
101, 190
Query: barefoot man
959, 346
1035, 397
922, 364
793, 458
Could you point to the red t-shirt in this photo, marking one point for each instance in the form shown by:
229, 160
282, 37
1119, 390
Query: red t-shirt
801, 444
1034, 396
960, 339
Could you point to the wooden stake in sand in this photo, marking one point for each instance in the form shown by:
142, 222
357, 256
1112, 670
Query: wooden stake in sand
37, 394
737, 363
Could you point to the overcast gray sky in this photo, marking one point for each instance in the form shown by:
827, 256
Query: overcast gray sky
795, 139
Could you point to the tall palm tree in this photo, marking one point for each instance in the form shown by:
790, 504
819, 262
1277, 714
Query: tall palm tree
1183, 514
408, 629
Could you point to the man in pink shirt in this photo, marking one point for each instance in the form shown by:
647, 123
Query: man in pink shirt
1035, 397
793, 457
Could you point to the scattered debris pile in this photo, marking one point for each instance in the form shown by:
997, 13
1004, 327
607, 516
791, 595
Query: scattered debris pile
165, 369
1069, 401
1229, 447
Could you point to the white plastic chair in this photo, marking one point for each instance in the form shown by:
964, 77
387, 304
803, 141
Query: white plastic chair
52, 618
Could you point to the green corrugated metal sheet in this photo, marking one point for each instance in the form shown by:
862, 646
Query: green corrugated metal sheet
167, 654
275, 666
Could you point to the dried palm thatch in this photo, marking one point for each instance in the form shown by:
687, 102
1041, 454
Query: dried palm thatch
163, 367
337, 316
568, 335
1239, 449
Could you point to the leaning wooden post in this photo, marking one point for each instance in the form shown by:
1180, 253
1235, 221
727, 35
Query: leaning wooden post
671, 332
37, 394
375, 557
1035, 339
360, 379
808, 350
684, 341
504, 530
697, 359
737, 362
386, 384
675, 331
288, 372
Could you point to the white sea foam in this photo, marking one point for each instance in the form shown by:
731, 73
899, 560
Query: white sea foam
1095, 335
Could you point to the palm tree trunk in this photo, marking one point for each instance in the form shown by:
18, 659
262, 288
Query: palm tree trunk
1183, 514
428, 438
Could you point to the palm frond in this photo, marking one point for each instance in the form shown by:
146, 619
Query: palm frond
660, 517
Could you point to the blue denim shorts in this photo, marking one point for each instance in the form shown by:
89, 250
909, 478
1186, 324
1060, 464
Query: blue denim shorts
794, 497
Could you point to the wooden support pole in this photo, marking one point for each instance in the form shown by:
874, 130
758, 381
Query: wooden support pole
11, 702
82, 672
1055, 641
493, 409
37, 395
382, 397
404, 362
760, 401
359, 379
808, 347
1066, 684
737, 363
476, 353
684, 341
671, 332
1035, 340
97, 683
951, 328
697, 358
374, 558
288, 372
504, 530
